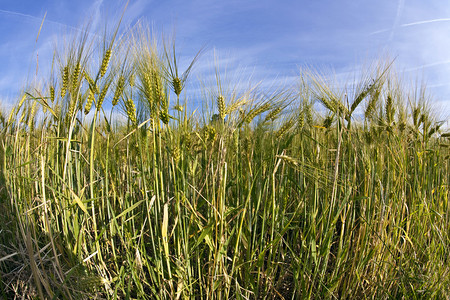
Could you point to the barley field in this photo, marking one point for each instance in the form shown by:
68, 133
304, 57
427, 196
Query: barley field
114, 187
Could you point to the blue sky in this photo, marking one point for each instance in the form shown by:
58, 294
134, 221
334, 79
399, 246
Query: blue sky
269, 40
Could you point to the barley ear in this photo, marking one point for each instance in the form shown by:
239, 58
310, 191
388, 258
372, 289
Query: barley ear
286, 126
177, 86
65, 81
75, 75
131, 111
32, 115
119, 90
105, 62
221, 106
52, 94
89, 101
273, 114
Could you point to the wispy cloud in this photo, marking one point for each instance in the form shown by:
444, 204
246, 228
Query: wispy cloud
96, 16
135, 10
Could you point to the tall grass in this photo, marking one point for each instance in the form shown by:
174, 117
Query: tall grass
269, 196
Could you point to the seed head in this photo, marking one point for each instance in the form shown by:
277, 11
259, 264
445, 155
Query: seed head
273, 114
105, 62
176, 153
71, 110
131, 111
31, 116
132, 79
284, 129
75, 75
91, 82
65, 81
308, 114
210, 133
13, 110
221, 106
22, 100
119, 89
52, 93
301, 120
89, 102
102, 97
256, 111
177, 87
327, 122
157, 90
178, 107
164, 117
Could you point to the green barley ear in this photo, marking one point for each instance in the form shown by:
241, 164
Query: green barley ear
256, 111
164, 116
308, 114
119, 90
90, 282
246, 144
186, 140
21, 102
132, 80
423, 119
301, 120
176, 153
105, 62
286, 126
178, 107
221, 106
152, 124
65, 81
32, 115
389, 109
235, 144
11, 114
364, 93
102, 96
331, 105
158, 89
210, 133
76, 74
52, 94
71, 109
22, 116
89, 101
415, 115
177, 87
368, 136
131, 111
147, 82
91, 82
273, 114
327, 122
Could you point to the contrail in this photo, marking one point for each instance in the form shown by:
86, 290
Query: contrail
40, 19
17, 14
413, 24
426, 22
444, 62
401, 4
